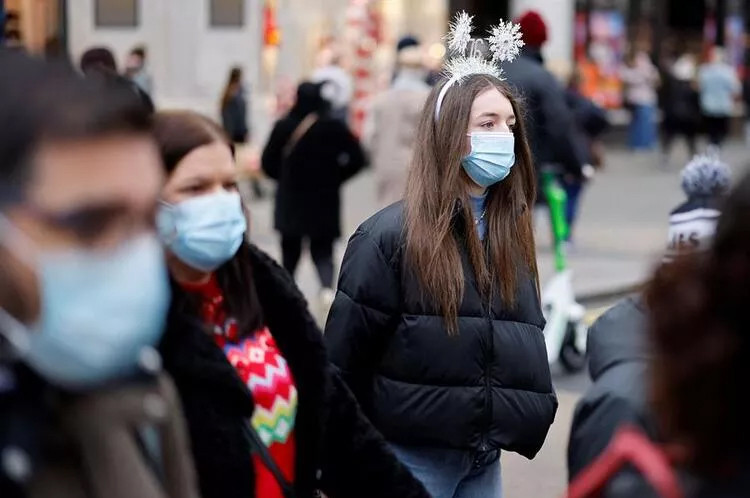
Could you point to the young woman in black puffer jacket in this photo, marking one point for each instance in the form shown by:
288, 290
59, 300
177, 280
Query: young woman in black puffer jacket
437, 325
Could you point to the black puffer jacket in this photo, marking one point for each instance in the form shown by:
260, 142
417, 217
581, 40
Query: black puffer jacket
618, 365
488, 387
337, 449
619, 359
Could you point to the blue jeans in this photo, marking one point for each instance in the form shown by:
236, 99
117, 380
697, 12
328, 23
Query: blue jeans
643, 127
448, 473
573, 191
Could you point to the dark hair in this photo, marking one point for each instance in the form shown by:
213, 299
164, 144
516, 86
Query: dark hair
177, 134
235, 78
98, 59
49, 102
139, 51
309, 99
436, 198
701, 334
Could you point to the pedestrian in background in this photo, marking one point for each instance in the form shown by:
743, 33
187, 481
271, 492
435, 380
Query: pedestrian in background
641, 79
98, 60
234, 114
681, 105
437, 326
84, 410
234, 108
311, 154
136, 70
719, 88
618, 345
267, 415
555, 140
592, 122
393, 123
99, 63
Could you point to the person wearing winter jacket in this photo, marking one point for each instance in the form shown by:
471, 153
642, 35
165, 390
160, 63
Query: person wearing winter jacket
620, 355
554, 137
311, 154
437, 325
247, 358
392, 125
85, 408
681, 106
699, 330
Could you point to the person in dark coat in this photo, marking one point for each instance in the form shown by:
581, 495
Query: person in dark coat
234, 113
436, 328
699, 331
618, 366
310, 155
592, 122
99, 62
680, 105
553, 134
246, 356
234, 108
620, 354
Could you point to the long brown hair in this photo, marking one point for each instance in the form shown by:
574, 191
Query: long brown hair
437, 197
177, 134
233, 83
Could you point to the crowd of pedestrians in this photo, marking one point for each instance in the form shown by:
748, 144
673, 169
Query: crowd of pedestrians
149, 349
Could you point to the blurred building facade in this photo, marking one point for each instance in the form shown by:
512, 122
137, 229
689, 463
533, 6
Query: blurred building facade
192, 44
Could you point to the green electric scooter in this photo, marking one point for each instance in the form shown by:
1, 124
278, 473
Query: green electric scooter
565, 332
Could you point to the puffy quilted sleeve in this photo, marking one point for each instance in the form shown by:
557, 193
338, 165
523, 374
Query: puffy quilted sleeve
364, 312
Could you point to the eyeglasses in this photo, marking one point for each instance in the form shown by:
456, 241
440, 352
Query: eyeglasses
94, 224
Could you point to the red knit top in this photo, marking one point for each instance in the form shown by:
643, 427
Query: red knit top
264, 370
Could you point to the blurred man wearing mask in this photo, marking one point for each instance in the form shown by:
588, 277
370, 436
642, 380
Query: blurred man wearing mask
84, 411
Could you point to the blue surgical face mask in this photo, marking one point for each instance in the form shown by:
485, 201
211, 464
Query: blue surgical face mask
203, 232
491, 158
102, 312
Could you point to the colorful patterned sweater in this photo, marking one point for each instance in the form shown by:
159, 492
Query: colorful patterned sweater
264, 370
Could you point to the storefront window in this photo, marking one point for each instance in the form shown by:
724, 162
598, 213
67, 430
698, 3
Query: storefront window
227, 13
116, 13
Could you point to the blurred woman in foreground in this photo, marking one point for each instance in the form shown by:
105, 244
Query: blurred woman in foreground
266, 416
701, 332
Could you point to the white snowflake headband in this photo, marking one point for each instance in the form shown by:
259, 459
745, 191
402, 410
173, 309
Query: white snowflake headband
504, 44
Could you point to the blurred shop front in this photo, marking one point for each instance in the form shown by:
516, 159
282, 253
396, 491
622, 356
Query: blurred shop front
605, 31
35, 25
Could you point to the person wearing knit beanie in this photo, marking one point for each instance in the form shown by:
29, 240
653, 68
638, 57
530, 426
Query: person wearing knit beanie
618, 344
705, 180
533, 27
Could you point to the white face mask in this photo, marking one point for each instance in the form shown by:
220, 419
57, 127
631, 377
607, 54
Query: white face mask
100, 311
204, 232
491, 158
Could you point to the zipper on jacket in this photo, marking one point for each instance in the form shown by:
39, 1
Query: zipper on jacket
489, 347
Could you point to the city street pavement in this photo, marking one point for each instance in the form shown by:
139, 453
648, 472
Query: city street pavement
619, 238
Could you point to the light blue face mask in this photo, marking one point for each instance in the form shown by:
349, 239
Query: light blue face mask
491, 158
101, 313
203, 232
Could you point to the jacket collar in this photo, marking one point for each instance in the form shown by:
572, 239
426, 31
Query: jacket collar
192, 357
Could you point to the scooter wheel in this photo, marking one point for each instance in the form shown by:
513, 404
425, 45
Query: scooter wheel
571, 358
